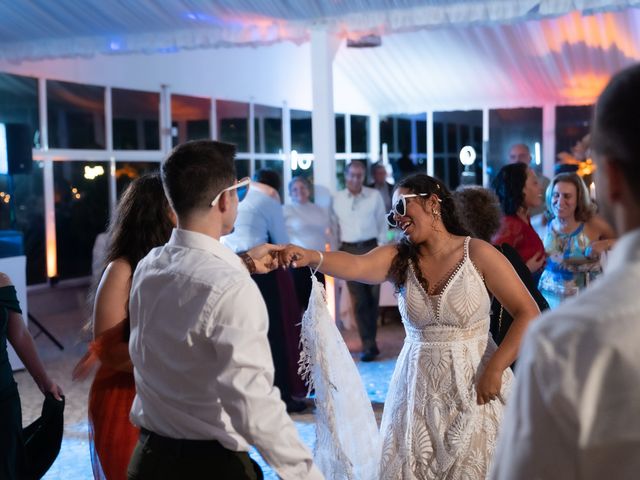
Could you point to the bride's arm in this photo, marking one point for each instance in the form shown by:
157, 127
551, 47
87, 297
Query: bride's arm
503, 282
371, 267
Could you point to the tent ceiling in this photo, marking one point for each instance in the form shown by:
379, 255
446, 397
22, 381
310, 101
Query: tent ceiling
563, 60
46, 29
484, 53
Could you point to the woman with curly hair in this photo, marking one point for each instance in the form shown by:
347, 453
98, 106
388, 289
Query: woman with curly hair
143, 220
574, 239
519, 191
479, 212
446, 397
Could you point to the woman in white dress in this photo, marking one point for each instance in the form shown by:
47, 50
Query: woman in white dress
444, 405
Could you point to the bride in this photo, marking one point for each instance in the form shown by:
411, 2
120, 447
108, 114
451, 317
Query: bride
444, 405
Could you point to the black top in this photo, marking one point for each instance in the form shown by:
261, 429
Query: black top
8, 301
501, 320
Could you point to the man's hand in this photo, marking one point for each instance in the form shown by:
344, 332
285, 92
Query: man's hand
265, 257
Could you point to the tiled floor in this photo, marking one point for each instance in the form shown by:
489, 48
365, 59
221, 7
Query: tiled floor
61, 310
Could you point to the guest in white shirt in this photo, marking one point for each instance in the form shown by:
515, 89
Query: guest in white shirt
360, 215
574, 412
202, 365
308, 225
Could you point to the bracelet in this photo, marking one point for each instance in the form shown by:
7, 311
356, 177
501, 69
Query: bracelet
313, 272
248, 262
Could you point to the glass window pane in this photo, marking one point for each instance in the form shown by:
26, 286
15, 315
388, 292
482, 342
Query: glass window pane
22, 210
359, 133
126, 172
507, 127
340, 126
572, 124
452, 131
136, 120
75, 115
421, 132
267, 129
301, 136
19, 103
340, 166
386, 133
404, 135
243, 168
82, 212
190, 117
233, 123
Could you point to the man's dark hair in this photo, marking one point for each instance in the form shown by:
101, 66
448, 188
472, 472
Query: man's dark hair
268, 177
616, 125
196, 172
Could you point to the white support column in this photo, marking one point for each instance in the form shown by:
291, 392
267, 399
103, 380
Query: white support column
548, 140
165, 119
286, 149
49, 191
374, 138
108, 120
430, 161
213, 121
324, 45
252, 142
485, 147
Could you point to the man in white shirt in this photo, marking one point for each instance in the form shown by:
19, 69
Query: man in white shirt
574, 411
360, 215
202, 365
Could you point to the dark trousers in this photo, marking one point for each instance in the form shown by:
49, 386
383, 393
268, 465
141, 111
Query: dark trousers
160, 458
365, 298
268, 286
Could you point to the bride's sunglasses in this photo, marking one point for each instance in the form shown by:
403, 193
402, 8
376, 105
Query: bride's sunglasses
400, 207
241, 185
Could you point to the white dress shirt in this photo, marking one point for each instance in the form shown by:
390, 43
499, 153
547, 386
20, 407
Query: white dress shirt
259, 220
308, 225
360, 217
575, 411
202, 363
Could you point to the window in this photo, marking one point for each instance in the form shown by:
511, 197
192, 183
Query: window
190, 118
405, 137
341, 146
233, 123
507, 127
572, 124
267, 129
126, 172
453, 131
136, 120
82, 212
75, 115
19, 103
359, 133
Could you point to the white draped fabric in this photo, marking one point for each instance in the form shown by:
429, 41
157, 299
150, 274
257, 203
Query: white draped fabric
33, 30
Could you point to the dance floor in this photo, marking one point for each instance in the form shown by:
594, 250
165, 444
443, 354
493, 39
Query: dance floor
65, 321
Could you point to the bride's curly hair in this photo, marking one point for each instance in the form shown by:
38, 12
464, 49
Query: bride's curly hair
407, 252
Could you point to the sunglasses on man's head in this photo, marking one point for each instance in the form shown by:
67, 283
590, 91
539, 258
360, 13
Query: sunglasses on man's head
400, 207
242, 187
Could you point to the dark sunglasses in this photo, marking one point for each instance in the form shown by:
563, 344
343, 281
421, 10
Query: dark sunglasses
242, 187
400, 207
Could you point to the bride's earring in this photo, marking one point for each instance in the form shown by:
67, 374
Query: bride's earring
435, 213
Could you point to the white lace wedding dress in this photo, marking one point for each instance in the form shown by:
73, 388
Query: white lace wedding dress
432, 427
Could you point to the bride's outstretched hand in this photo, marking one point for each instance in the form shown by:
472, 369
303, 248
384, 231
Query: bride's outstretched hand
293, 256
